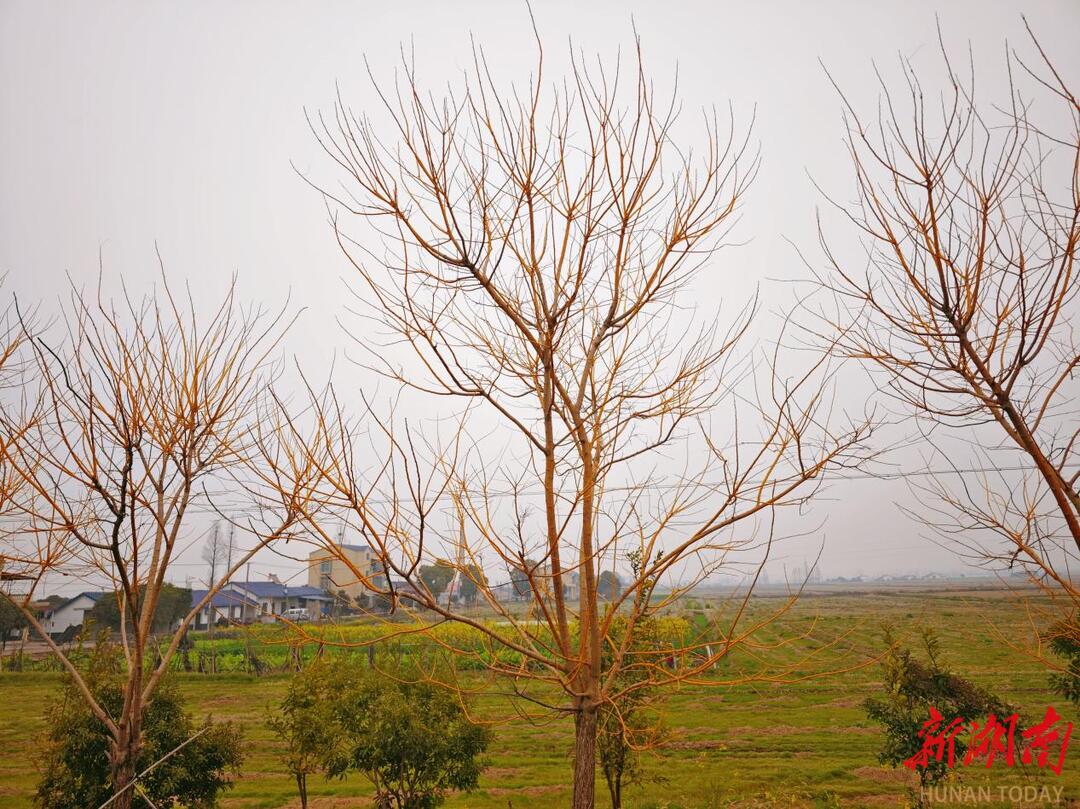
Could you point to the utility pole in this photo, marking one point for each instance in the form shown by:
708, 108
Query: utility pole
232, 534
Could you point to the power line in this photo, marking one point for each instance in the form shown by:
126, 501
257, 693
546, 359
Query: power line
249, 510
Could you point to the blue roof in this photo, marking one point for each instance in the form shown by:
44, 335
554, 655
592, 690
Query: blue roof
272, 589
264, 589
222, 598
93, 595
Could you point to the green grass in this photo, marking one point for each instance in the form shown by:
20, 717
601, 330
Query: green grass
802, 744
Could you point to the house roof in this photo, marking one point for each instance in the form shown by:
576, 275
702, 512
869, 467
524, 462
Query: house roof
249, 593
403, 586
310, 593
93, 595
324, 553
222, 598
273, 589
261, 588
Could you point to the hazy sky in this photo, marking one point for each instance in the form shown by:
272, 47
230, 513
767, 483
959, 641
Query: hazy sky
123, 125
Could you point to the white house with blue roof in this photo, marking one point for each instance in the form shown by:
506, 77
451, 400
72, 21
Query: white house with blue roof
71, 612
245, 602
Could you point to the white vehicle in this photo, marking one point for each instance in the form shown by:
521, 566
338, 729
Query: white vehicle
296, 615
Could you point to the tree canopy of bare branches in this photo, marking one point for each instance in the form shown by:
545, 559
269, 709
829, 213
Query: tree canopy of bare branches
967, 295
540, 249
141, 412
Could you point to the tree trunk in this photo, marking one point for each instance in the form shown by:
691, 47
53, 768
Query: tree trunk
613, 773
123, 773
22, 646
213, 646
123, 756
301, 786
584, 758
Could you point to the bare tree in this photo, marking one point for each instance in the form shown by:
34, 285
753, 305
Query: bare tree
541, 246
14, 580
965, 299
215, 553
147, 410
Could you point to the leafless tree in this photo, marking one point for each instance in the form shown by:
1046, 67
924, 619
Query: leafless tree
216, 553
541, 244
144, 412
965, 300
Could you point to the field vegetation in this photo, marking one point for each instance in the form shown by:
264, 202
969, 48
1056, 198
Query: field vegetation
810, 739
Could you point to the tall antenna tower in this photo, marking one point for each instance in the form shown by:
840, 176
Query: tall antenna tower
454, 588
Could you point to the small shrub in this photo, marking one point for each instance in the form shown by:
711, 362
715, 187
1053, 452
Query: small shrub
1064, 641
912, 687
75, 760
413, 741
630, 722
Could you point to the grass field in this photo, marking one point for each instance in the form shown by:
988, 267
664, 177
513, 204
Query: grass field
757, 744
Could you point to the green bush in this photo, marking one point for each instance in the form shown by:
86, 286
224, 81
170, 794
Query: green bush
912, 688
412, 740
1064, 641
631, 721
75, 750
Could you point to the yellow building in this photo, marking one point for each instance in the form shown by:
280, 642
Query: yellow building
329, 571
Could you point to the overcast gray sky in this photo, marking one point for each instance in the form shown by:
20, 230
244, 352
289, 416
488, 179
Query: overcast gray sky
125, 124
